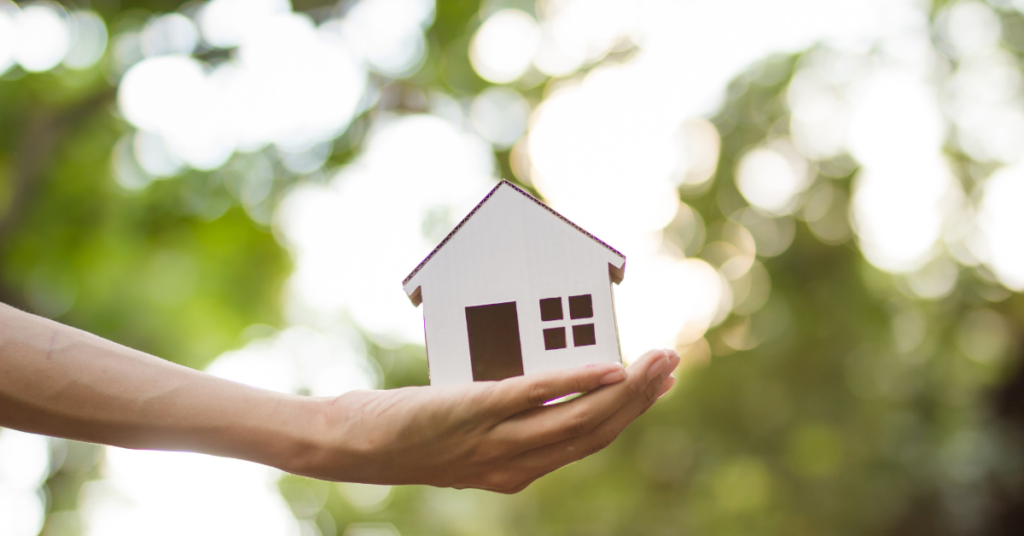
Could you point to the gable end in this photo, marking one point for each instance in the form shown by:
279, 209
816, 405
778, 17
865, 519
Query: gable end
616, 273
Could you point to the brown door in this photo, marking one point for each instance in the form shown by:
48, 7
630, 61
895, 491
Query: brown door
494, 345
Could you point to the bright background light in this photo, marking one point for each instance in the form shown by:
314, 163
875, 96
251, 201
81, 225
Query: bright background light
504, 45
500, 115
771, 178
24, 466
1002, 225
417, 177
42, 34
208, 495
387, 34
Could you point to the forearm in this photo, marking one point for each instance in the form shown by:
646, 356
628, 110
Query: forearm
60, 381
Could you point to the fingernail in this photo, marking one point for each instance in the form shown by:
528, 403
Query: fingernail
614, 376
656, 367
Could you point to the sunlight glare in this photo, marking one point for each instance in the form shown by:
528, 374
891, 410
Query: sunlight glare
355, 239
172, 96
819, 117
42, 36
772, 177
1001, 222
504, 45
982, 98
292, 85
24, 466
169, 34
88, 40
225, 23
697, 159
896, 118
575, 32
664, 302
387, 34
899, 212
300, 360
288, 85
21, 512
606, 154
905, 189
969, 28
24, 459
500, 115
153, 155
208, 495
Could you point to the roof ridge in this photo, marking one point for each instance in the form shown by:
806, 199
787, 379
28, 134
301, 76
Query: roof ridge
540, 203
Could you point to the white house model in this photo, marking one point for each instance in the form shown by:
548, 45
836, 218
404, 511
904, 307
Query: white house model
515, 289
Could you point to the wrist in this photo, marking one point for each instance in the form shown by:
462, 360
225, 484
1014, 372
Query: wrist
297, 445
312, 442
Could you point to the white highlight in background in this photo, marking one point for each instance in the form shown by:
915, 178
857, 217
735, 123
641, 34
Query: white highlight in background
356, 239
24, 466
1001, 222
173, 493
503, 47
42, 37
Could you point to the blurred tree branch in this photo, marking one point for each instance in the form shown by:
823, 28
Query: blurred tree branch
43, 132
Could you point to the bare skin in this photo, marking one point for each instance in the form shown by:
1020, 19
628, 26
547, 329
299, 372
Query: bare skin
500, 436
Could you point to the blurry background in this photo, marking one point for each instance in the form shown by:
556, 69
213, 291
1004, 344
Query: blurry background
821, 204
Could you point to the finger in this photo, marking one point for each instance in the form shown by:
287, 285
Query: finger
670, 381
521, 393
548, 458
665, 387
545, 426
525, 469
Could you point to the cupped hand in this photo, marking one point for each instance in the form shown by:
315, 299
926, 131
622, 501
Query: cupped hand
497, 436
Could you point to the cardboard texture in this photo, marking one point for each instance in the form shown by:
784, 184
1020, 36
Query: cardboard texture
514, 289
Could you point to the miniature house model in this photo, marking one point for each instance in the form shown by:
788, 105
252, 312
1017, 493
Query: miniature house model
515, 289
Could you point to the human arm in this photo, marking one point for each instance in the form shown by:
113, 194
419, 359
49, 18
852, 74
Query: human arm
60, 381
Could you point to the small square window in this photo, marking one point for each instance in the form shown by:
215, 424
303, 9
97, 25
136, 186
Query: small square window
551, 309
580, 307
583, 335
554, 338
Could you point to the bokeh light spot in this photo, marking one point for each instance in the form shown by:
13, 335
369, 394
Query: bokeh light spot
771, 178
169, 34
500, 115
42, 36
504, 45
88, 40
1001, 222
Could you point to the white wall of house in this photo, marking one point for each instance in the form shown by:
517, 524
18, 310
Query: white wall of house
512, 249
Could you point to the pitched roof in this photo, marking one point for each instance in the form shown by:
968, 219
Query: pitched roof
481, 203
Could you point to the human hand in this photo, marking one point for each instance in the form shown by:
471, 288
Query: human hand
496, 436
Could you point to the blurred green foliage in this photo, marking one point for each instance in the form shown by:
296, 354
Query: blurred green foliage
832, 424
177, 270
